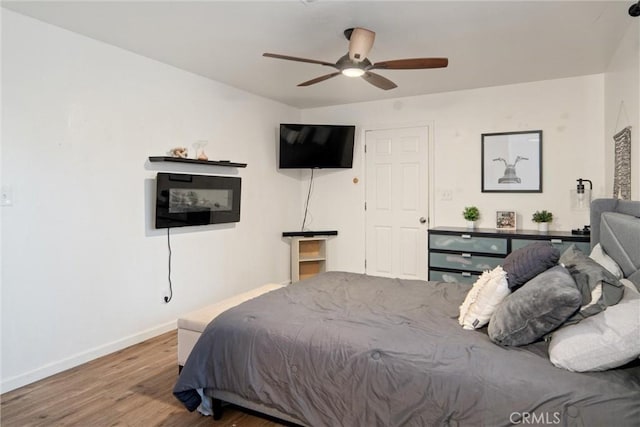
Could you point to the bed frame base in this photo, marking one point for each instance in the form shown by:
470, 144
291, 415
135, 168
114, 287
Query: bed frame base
220, 398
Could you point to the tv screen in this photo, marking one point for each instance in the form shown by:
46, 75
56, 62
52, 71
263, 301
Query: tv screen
184, 200
316, 146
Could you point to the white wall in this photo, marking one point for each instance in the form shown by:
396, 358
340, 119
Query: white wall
83, 271
568, 111
622, 100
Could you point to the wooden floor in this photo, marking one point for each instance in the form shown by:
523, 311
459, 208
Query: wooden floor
129, 388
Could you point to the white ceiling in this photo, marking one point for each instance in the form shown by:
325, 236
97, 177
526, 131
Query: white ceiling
488, 43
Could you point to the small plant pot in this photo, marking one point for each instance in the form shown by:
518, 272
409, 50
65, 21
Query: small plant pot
471, 225
543, 226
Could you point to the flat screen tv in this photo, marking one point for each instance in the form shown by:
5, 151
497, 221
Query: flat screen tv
185, 200
305, 146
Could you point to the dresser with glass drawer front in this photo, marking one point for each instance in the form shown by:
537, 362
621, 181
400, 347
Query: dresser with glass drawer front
458, 254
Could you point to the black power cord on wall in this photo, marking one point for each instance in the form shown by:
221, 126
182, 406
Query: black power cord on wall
306, 207
168, 298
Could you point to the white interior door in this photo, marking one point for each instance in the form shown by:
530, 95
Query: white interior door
396, 202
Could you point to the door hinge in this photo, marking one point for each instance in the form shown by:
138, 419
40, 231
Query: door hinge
365, 206
365, 264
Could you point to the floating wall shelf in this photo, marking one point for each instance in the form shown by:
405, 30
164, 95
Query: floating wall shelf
196, 161
309, 233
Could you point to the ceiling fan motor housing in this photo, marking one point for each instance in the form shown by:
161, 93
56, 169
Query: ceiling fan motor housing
360, 43
346, 62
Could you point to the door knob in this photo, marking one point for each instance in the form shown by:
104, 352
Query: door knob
423, 220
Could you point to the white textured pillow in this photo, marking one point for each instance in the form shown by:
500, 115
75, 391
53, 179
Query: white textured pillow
603, 341
600, 256
630, 291
483, 298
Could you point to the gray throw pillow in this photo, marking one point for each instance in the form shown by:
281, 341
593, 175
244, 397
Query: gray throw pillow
526, 263
598, 287
537, 308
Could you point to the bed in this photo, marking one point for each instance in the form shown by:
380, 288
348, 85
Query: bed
346, 349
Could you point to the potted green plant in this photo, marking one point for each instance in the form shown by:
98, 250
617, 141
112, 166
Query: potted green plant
471, 214
542, 218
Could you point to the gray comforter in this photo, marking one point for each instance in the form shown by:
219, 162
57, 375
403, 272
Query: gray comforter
345, 349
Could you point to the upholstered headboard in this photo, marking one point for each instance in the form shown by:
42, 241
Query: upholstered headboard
615, 224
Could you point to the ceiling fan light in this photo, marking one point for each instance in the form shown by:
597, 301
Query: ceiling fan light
353, 72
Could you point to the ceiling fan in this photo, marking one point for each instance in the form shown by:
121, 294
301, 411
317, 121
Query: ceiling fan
356, 64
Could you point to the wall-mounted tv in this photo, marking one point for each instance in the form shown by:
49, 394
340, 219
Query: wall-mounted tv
184, 200
304, 146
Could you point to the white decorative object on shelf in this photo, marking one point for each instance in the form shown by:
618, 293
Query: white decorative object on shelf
199, 147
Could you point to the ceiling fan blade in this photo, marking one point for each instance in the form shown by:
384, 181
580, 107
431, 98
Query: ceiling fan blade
319, 79
360, 43
411, 64
294, 58
379, 81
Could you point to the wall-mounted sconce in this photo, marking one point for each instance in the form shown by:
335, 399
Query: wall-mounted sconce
581, 196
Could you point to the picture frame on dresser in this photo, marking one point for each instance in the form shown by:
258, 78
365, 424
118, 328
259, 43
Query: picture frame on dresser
511, 162
506, 220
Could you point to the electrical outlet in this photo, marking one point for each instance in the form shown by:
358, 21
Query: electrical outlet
6, 197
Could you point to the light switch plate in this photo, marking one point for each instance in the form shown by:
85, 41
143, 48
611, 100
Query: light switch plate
446, 195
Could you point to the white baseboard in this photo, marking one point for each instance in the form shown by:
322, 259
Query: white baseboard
83, 357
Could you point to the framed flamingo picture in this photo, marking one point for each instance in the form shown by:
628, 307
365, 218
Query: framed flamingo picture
512, 162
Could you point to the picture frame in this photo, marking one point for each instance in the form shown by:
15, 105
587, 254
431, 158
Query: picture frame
512, 162
506, 220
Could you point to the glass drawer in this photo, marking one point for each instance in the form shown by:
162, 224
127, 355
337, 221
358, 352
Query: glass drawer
449, 277
562, 245
464, 261
468, 243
